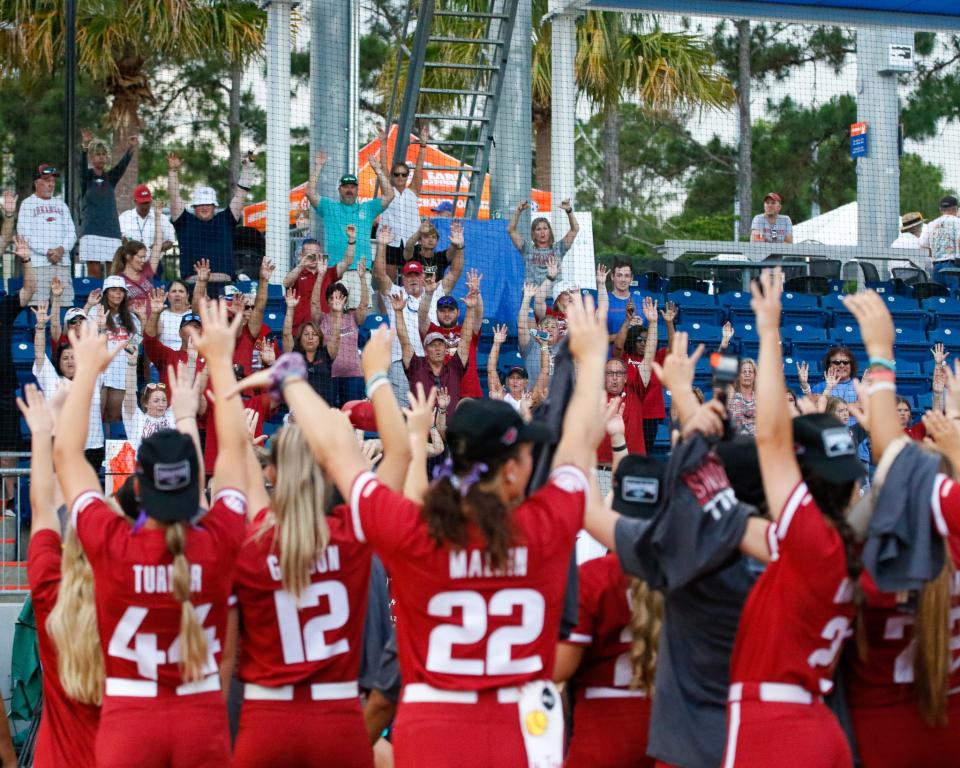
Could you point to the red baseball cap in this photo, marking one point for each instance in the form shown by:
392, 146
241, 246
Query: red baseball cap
772, 196
44, 170
361, 415
142, 194
413, 268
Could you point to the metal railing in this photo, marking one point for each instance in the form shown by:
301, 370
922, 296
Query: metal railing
14, 537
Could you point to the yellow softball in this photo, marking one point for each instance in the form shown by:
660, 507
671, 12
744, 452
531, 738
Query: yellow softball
536, 722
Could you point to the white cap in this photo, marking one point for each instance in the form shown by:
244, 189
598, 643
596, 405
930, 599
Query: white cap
114, 281
74, 312
204, 196
562, 286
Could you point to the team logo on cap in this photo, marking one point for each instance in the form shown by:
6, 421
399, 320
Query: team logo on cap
641, 490
838, 442
171, 477
510, 436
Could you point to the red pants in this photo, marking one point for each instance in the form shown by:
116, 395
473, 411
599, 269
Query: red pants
610, 733
761, 734
302, 734
169, 732
480, 735
897, 737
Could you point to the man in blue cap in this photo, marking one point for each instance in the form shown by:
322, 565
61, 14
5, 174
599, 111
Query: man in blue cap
346, 210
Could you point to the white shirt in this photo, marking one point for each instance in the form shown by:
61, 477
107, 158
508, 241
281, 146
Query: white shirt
115, 376
49, 381
921, 257
411, 316
509, 399
403, 216
133, 227
170, 328
46, 224
140, 426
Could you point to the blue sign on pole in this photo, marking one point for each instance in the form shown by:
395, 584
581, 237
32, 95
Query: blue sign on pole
859, 145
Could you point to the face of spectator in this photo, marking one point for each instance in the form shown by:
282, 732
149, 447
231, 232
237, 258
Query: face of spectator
348, 194
549, 324
156, 403
309, 339
771, 207
115, 297
429, 241
399, 176
748, 375
98, 161
560, 303
143, 209
542, 234
436, 351
137, 260
204, 212
516, 384
622, 277
311, 256
247, 311
68, 363
842, 412
840, 365
177, 295
45, 186
640, 343
185, 333
413, 284
615, 377
903, 414
448, 316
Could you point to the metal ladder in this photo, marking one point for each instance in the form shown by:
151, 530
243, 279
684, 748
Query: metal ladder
485, 26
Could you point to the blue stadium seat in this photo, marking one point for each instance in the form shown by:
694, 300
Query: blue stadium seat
884, 287
24, 321
908, 385
662, 441
584, 292
797, 332
948, 336
14, 284
924, 401
703, 333
273, 320
910, 344
909, 368
734, 300
846, 334
807, 317
906, 312
22, 349
791, 300
695, 306
745, 340
943, 310
82, 287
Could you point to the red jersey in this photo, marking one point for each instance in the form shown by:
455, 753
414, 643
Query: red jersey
259, 403
603, 625
138, 618
633, 414
801, 610
246, 348
68, 729
654, 406
162, 356
885, 676
470, 385
461, 625
317, 638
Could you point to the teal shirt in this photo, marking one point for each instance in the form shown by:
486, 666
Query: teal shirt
336, 216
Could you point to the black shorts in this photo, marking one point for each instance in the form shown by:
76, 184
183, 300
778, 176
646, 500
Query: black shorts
395, 255
10, 437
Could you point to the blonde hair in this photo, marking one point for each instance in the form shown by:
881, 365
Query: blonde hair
646, 619
932, 658
72, 626
299, 507
193, 640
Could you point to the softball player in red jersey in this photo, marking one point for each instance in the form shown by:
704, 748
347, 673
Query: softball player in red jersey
161, 585
478, 573
890, 729
610, 719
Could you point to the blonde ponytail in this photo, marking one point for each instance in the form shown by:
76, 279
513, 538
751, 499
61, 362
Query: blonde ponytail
646, 619
193, 640
931, 660
72, 625
299, 506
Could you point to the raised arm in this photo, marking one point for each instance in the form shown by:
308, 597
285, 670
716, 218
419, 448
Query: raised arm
386, 188
523, 318
603, 298
650, 348
677, 373
583, 427
574, 224
157, 299
156, 251
467, 329
406, 346
414, 239
456, 262
382, 135
337, 308
39, 418
384, 283
199, 296
546, 288
774, 429
286, 336
350, 253
515, 236
29, 286
319, 160
669, 315
363, 307
40, 335
56, 296
416, 183
9, 212
255, 323
426, 301
493, 374
129, 406
173, 186
419, 425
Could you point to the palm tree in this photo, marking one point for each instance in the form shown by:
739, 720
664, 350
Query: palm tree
121, 44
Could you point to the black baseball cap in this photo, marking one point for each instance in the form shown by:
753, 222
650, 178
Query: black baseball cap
447, 301
948, 202
825, 447
348, 178
638, 486
742, 464
168, 471
517, 369
483, 429
190, 317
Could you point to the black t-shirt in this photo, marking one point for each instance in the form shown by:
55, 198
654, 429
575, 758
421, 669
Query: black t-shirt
438, 262
320, 373
9, 309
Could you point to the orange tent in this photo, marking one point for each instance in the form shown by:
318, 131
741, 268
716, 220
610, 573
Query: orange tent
437, 187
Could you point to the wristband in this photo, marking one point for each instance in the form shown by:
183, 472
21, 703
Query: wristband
351, 242
883, 386
291, 365
883, 375
618, 448
375, 384
890, 365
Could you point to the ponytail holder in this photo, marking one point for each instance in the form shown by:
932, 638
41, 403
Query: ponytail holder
462, 484
140, 521
290, 365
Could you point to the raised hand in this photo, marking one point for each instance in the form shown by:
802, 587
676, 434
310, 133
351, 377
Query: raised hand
381, 134
320, 159
9, 203
90, 348
268, 353
939, 352
337, 302
499, 334
266, 269
565, 205
133, 141
678, 367
429, 282
586, 331
650, 309
398, 302
669, 313
726, 333
184, 391
351, 231
602, 273
35, 411
443, 398
374, 163
94, 297
384, 234
529, 291
943, 430
474, 276
831, 380
613, 417
40, 313
708, 420
86, 136
174, 162
292, 298
523, 206
22, 248
420, 413
526, 405
377, 353
56, 288
471, 299
803, 373
424, 133
765, 303
553, 267
456, 235
157, 299
202, 270
218, 336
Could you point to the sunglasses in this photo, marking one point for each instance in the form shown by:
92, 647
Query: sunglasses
839, 362
401, 175
48, 172
151, 387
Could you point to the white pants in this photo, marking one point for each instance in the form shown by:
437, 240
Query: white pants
399, 382
96, 248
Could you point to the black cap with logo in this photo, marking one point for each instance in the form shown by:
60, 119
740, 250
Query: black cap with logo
482, 429
826, 447
168, 471
638, 486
